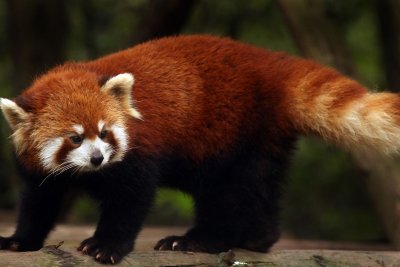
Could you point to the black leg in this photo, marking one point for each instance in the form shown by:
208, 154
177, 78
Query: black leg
38, 212
240, 210
125, 200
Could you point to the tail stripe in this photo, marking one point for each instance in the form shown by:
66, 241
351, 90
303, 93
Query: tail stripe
343, 112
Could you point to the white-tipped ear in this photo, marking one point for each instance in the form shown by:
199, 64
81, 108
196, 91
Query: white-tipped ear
14, 114
120, 87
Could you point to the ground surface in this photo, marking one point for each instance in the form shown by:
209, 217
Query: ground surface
286, 252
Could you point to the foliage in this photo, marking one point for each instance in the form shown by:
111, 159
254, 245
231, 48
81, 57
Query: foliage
171, 208
325, 197
84, 210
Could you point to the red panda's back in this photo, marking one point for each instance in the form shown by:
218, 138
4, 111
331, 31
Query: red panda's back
201, 95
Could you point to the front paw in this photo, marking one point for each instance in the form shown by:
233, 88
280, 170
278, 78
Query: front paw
18, 244
193, 244
105, 251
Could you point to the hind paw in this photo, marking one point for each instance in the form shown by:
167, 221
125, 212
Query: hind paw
18, 244
184, 243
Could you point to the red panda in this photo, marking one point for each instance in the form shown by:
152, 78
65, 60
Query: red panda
210, 116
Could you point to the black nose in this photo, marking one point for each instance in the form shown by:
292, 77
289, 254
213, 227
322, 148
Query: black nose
97, 158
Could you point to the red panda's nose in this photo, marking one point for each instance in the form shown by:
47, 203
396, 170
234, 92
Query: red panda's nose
96, 158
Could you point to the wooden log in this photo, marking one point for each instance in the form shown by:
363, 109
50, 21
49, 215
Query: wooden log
52, 256
286, 252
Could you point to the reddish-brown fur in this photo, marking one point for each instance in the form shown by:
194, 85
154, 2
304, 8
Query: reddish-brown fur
199, 115
202, 105
217, 119
199, 95
49, 98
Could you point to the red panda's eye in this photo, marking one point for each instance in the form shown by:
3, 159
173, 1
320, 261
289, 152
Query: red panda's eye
103, 134
76, 139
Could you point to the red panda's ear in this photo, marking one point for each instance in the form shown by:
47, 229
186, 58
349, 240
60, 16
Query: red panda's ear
120, 87
14, 114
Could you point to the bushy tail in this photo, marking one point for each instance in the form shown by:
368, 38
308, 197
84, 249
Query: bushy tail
325, 103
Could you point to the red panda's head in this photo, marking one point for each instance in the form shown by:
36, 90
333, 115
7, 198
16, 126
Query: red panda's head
72, 120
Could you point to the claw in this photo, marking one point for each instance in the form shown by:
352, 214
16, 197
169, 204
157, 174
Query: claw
112, 260
85, 249
175, 244
98, 256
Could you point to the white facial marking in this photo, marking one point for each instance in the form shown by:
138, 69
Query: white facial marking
48, 153
78, 129
81, 156
121, 136
105, 149
100, 125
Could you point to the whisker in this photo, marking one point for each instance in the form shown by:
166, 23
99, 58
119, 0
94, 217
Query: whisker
45, 178
58, 170
77, 169
62, 169
65, 168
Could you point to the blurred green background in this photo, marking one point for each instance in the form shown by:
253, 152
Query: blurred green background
325, 196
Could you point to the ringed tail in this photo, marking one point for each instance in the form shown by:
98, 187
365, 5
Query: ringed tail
326, 103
